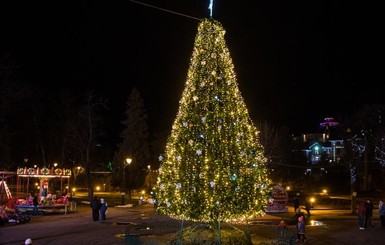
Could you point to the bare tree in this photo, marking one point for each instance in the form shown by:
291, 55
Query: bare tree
87, 130
367, 143
276, 142
11, 90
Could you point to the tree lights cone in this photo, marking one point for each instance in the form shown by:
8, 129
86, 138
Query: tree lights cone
213, 167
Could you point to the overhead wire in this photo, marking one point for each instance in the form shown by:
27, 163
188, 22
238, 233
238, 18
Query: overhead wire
166, 10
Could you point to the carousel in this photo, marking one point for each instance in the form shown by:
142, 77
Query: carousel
37, 181
5, 193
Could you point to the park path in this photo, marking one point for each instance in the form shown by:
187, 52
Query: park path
337, 227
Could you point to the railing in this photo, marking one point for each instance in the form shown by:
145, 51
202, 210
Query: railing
48, 209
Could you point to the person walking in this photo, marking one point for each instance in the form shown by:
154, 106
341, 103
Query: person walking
381, 212
368, 213
296, 205
301, 229
308, 206
361, 215
95, 206
103, 209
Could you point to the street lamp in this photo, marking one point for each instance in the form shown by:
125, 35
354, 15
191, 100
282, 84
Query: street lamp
77, 171
128, 161
325, 192
53, 168
125, 164
149, 176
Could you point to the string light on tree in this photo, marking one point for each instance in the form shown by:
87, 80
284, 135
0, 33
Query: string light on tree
213, 168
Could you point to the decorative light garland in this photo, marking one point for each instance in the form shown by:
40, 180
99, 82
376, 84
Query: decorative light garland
213, 167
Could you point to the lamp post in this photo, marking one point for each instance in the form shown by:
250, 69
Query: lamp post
149, 177
53, 168
125, 164
77, 171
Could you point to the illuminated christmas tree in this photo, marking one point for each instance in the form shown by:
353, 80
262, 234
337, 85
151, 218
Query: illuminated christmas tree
213, 168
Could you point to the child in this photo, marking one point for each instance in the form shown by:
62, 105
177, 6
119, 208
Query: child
301, 229
361, 215
381, 212
103, 209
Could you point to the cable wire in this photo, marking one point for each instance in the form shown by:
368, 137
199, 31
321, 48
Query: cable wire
166, 10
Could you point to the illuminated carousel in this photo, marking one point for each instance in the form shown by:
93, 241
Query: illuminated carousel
31, 181
5, 193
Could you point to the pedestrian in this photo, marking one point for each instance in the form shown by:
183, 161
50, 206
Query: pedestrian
103, 209
296, 205
301, 229
368, 213
308, 206
35, 202
361, 215
381, 212
95, 206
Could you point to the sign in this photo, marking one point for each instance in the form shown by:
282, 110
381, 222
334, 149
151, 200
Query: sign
279, 199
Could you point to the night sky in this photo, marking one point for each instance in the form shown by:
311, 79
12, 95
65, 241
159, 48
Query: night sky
297, 62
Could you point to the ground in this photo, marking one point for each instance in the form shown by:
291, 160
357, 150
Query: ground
141, 225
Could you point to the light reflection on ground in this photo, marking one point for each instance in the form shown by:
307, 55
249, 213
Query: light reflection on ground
316, 223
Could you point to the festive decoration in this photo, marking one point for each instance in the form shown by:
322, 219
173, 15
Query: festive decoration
213, 168
31, 171
67, 172
44, 171
58, 171
21, 171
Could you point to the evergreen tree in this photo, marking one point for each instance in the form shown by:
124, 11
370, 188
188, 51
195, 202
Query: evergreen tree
134, 144
213, 168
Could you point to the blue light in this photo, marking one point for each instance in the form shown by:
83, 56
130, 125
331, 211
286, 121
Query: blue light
211, 8
234, 177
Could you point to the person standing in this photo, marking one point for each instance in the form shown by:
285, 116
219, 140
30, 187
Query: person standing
381, 212
368, 213
103, 209
95, 206
361, 215
35, 203
301, 229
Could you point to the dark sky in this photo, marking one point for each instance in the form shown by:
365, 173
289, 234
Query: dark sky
296, 61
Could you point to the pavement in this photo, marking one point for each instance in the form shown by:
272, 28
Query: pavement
141, 224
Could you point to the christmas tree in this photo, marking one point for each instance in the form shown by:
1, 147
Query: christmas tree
213, 168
